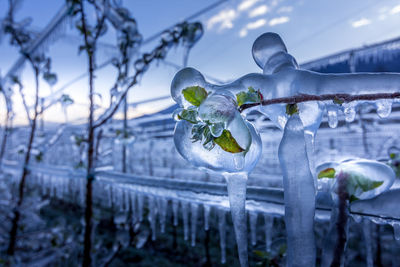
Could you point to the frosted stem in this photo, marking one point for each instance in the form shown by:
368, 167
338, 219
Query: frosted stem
299, 195
237, 201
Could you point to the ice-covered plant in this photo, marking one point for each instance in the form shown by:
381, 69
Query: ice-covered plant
21, 37
349, 180
295, 100
128, 40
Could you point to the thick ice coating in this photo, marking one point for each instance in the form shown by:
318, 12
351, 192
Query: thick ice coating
299, 195
282, 78
374, 171
217, 159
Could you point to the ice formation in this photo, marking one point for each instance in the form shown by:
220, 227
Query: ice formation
281, 78
354, 179
299, 195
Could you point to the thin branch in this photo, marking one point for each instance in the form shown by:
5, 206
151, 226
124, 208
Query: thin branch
114, 108
340, 98
24, 103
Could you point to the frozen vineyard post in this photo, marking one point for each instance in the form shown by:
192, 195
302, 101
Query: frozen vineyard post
211, 133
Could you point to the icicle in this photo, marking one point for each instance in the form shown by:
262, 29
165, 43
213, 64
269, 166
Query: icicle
332, 118
140, 200
253, 227
162, 207
207, 210
110, 195
194, 207
268, 225
222, 234
134, 207
175, 208
396, 230
185, 216
368, 242
349, 111
384, 107
237, 202
126, 200
152, 217
299, 195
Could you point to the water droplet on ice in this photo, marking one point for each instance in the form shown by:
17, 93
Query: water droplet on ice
332, 118
384, 107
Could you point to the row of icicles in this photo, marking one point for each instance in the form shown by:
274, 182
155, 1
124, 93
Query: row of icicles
383, 109
128, 202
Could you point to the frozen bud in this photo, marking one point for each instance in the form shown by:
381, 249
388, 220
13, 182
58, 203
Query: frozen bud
218, 109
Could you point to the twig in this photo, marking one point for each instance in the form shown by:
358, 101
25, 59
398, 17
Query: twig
340, 98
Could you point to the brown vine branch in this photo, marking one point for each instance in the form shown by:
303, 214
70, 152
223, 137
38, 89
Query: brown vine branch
339, 98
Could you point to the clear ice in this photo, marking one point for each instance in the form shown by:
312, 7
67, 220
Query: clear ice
299, 195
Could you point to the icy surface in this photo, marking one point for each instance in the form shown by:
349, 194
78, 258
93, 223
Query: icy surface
299, 195
237, 201
386, 205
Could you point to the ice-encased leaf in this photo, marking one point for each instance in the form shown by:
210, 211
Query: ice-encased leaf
189, 115
251, 96
228, 143
292, 109
357, 181
327, 173
195, 95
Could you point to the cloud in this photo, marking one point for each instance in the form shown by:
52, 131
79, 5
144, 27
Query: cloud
361, 22
251, 26
224, 19
279, 20
246, 4
258, 11
285, 9
395, 10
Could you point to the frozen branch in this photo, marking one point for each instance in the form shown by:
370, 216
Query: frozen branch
339, 98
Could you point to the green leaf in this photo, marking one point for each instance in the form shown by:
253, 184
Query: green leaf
195, 95
357, 181
228, 143
251, 96
291, 109
327, 173
338, 101
392, 155
189, 115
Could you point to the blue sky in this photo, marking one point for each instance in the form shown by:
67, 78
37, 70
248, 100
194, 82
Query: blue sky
310, 29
